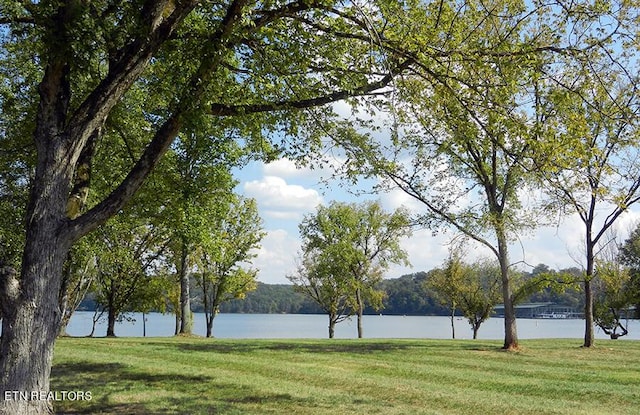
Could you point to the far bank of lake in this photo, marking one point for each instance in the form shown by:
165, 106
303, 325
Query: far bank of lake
314, 326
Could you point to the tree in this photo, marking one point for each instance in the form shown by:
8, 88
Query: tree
615, 288
630, 256
473, 289
612, 297
232, 243
244, 65
79, 277
461, 135
467, 127
480, 294
446, 283
125, 267
591, 167
354, 244
323, 281
200, 185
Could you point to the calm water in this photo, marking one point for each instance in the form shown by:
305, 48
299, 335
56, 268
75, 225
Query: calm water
273, 326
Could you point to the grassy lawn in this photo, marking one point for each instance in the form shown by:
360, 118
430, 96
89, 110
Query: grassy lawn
212, 376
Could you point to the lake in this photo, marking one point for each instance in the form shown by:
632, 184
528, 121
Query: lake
283, 326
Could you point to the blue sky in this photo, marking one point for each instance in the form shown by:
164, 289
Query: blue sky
285, 194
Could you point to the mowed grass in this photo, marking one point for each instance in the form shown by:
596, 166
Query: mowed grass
212, 376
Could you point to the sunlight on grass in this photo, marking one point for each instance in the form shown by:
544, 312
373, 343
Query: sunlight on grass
203, 376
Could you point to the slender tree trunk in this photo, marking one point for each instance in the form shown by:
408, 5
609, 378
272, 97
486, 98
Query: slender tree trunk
111, 321
96, 316
360, 312
588, 292
186, 322
510, 328
588, 314
332, 325
208, 304
209, 318
452, 318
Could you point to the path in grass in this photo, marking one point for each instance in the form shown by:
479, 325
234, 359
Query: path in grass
205, 376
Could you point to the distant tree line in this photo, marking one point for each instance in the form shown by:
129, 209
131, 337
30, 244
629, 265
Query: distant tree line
406, 295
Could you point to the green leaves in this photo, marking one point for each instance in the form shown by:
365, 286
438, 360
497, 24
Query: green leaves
473, 289
346, 249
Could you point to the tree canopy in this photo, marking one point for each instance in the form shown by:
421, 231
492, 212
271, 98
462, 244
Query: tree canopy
345, 250
77, 74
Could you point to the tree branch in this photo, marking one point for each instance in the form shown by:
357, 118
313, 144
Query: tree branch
125, 191
226, 110
132, 61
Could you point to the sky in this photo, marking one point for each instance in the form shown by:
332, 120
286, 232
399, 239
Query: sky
285, 194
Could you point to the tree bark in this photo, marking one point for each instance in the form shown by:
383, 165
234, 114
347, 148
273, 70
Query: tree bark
476, 327
31, 306
360, 311
453, 326
588, 314
588, 291
186, 322
332, 326
111, 321
510, 328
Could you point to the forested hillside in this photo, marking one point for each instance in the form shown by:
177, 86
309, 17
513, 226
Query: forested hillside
406, 295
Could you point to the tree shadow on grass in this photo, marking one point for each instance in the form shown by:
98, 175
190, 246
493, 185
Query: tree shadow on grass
353, 347
148, 393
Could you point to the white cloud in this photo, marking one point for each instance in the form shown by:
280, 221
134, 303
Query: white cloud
276, 257
283, 168
275, 195
397, 198
289, 169
627, 222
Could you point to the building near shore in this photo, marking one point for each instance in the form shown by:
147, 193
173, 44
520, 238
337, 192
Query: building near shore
541, 310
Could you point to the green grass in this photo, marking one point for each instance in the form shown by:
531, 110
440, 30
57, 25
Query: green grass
212, 376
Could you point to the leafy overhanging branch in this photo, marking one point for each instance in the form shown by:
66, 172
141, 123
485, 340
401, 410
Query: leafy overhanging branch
220, 109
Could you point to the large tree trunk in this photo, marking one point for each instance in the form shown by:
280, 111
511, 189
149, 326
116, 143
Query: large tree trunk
29, 331
31, 306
